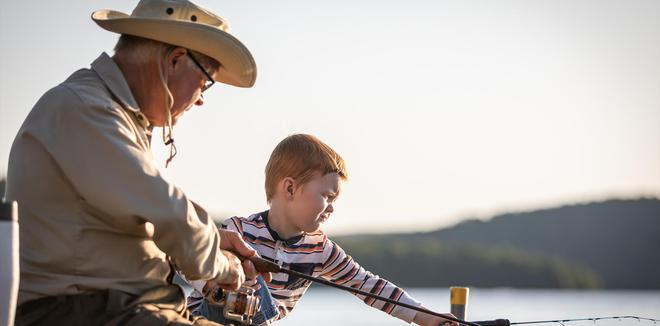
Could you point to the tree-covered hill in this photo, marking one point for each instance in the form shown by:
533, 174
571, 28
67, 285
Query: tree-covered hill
611, 244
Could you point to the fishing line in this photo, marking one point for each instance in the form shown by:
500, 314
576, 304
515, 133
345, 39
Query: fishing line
594, 319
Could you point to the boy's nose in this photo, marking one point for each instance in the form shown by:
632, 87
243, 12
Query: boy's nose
329, 209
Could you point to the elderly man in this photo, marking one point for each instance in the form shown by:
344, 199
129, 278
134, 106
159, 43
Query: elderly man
101, 229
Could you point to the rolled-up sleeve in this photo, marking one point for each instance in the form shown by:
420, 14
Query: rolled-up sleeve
98, 150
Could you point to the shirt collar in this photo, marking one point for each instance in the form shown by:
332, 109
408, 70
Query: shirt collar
114, 79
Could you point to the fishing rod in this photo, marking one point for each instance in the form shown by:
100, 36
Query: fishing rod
263, 265
594, 319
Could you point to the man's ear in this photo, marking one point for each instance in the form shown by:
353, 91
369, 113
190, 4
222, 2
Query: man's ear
289, 187
175, 57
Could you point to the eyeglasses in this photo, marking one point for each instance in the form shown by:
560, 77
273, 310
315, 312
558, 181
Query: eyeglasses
209, 82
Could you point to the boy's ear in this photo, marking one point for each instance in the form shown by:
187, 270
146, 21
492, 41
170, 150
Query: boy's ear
289, 185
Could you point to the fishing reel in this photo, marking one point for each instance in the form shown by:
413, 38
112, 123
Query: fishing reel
240, 306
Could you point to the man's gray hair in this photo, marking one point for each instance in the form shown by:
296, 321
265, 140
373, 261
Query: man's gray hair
142, 50
139, 49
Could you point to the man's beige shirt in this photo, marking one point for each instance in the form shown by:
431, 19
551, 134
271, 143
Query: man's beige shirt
94, 211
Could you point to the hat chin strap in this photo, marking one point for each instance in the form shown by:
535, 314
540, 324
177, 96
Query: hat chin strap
168, 138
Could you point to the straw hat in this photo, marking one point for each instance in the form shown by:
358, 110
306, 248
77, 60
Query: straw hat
185, 24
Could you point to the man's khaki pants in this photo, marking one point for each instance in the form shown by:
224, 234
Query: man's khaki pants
163, 305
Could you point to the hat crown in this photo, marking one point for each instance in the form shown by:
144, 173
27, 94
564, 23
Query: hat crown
185, 24
181, 10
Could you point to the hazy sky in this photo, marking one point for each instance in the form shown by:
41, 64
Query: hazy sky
443, 110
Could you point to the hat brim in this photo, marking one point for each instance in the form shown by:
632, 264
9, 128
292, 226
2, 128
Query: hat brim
237, 64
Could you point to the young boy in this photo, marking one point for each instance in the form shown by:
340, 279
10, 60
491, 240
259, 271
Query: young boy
303, 180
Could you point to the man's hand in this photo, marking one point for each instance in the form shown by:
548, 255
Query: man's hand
232, 241
233, 279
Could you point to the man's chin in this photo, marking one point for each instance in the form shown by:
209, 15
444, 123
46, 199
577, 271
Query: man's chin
176, 118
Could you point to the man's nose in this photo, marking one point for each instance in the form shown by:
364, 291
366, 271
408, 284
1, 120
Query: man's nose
200, 99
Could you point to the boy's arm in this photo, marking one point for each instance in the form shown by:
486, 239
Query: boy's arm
340, 268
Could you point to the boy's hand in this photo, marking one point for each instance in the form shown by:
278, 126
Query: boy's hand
423, 319
232, 241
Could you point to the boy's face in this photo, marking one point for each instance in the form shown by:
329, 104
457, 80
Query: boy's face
312, 202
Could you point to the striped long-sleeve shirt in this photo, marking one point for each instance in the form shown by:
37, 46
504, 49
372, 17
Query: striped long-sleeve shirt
314, 254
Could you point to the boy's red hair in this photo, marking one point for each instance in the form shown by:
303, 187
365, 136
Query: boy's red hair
300, 157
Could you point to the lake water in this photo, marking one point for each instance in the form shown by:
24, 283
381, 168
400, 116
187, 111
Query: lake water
326, 306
